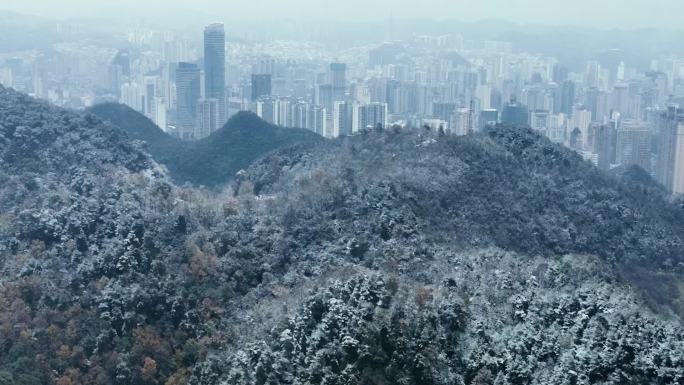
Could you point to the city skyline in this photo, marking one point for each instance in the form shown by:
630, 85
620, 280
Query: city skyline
608, 101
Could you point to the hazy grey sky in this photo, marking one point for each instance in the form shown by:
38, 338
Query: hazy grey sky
626, 14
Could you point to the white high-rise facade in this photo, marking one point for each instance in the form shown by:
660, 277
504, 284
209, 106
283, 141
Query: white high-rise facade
131, 95
159, 112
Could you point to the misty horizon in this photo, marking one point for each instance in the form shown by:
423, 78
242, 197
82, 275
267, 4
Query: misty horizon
611, 14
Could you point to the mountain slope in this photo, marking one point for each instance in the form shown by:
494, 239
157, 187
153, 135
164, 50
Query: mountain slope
507, 187
64, 138
138, 127
496, 318
422, 208
211, 161
390, 257
81, 210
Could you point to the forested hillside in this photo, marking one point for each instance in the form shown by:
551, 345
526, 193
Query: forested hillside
212, 161
506, 187
397, 256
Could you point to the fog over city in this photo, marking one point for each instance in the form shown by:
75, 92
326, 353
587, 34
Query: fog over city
604, 13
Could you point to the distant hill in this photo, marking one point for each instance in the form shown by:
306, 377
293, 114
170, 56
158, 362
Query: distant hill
507, 187
244, 139
210, 161
137, 126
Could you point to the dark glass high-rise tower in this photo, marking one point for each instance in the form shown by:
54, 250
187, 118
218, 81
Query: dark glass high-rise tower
515, 114
187, 94
123, 59
215, 67
338, 80
338, 75
261, 86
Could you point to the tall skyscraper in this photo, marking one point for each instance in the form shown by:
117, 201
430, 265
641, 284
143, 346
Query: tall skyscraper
397, 97
460, 122
556, 130
207, 118
581, 119
567, 99
318, 119
488, 117
593, 74
659, 84
621, 99
484, 95
591, 96
604, 145
268, 109
119, 69
6, 77
215, 67
284, 111
621, 72
678, 169
540, 121
131, 95
670, 167
516, 114
299, 115
123, 60
361, 93
149, 93
187, 95
159, 112
324, 96
603, 111
261, 86
373, 114
560, 73
338, 75
634, 145
345, 118
535, 98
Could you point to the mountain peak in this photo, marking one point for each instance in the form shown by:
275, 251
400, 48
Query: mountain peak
212, 161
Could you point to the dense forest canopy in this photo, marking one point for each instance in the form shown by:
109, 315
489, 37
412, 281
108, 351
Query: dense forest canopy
393, 256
